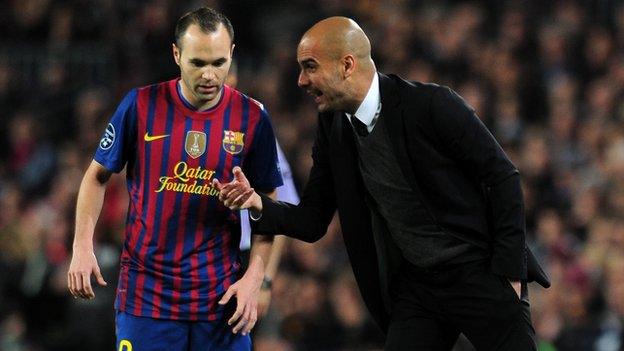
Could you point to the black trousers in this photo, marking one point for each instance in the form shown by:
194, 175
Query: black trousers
431, 307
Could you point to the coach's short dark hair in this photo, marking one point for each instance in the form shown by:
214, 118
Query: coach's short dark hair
206, 18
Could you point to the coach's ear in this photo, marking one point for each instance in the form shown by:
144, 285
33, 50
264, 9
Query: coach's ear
176, 53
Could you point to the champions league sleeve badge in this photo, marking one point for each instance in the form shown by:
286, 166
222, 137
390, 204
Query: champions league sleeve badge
108, 139
233, 142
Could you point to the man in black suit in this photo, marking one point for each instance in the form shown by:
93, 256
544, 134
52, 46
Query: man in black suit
430, 206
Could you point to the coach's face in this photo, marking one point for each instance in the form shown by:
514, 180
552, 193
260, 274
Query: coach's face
204, 60
321, 75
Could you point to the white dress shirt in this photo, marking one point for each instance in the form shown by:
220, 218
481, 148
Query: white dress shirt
369, 109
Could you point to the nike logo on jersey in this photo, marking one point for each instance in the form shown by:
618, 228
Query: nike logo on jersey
149, 138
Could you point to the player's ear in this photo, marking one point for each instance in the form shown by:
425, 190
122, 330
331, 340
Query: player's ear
232, 50
176, 53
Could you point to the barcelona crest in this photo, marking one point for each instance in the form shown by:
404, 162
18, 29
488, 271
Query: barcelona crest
233, 141
195, 143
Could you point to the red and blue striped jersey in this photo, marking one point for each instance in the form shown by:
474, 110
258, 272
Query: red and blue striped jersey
180, 251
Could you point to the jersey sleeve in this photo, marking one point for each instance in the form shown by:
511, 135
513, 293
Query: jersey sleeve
261, 165
119, 137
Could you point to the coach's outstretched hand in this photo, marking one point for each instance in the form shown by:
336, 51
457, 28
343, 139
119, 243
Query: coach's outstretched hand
247, 290
82, 265
238, 194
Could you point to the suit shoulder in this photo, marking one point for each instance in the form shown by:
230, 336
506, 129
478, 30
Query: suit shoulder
416, 86
411, 94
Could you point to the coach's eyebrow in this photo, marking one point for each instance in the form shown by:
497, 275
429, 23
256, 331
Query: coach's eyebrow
308, 62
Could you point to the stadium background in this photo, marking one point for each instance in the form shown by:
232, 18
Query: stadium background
547, 77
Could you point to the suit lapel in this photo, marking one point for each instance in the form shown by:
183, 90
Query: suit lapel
344, 148
361, 242
397, 133
395, 126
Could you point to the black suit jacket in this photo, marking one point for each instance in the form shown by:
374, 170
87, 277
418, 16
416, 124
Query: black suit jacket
467, 183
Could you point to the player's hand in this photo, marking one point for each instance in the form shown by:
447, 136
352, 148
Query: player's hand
517, 286
82, 265
238, 194
246, 291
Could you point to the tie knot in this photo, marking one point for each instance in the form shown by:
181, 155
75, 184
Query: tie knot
359, 127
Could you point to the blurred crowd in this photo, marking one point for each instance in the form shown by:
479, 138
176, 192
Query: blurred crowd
547, 78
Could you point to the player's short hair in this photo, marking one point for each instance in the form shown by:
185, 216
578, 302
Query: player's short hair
206, 18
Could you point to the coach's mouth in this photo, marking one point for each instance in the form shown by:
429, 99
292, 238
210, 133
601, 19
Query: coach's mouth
316, 94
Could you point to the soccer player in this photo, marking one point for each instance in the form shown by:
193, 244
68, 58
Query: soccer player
180, 259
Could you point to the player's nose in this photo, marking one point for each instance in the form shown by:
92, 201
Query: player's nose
208, 75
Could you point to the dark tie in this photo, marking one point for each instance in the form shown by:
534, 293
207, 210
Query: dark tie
359, 126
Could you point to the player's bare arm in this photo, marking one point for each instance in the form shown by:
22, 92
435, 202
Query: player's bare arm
84, 262
247, 289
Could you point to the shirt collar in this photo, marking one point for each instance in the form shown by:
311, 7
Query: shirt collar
370, 105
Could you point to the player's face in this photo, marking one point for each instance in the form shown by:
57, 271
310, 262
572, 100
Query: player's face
204, 60
320, 76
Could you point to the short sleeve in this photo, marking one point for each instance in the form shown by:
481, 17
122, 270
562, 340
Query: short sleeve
261, 164
119, 137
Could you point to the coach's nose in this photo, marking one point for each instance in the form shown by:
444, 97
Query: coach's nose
303, 80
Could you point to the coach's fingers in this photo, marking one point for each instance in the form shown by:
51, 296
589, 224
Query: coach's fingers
239, 175
231, 187
224, 189
230, 196
217, 184
233, 198
242, 198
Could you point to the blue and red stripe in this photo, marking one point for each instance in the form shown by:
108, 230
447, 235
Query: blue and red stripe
181, 249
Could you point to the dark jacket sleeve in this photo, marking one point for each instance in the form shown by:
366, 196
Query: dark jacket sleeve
471, 144
307, 221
